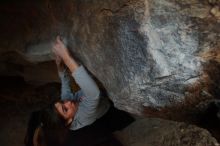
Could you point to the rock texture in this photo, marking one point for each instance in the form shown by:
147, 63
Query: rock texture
154, 57
157, 132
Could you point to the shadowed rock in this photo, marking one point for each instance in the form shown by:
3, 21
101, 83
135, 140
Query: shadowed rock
157, 132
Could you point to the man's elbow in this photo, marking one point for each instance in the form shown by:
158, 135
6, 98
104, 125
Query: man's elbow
96, 93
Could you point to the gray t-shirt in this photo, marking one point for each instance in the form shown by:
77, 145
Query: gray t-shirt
91, 105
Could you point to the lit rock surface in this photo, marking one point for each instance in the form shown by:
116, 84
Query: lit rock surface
148, 54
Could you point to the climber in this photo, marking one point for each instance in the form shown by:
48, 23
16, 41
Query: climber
72, 117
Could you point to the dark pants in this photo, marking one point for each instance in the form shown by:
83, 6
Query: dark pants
100, 132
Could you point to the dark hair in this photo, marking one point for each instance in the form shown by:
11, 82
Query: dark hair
52, 126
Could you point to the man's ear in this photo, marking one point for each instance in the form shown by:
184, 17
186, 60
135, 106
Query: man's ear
38, 137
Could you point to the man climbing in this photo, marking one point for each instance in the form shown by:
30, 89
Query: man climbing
81, 118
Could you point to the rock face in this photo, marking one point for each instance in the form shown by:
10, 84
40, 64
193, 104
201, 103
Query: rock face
150, 55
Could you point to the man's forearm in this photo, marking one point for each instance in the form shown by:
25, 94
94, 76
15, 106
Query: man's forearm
70, 63
66, 92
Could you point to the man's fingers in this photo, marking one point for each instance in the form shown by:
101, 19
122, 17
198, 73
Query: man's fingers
59, 41
58, 38
59, 48
59, 61
56, 48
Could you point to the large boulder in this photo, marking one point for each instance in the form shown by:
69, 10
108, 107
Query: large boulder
153, 57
